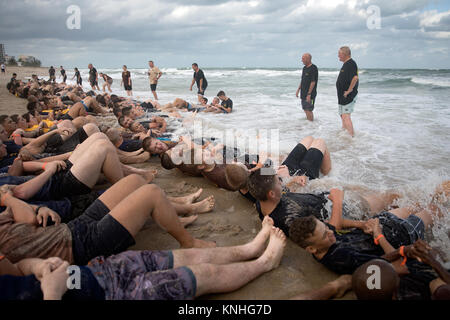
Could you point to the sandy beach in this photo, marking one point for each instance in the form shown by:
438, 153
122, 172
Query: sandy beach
234, 221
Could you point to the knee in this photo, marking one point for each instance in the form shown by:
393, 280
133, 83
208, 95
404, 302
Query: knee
90, 129
135, 180
154, 190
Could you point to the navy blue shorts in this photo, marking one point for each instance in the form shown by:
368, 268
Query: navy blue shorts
96, 233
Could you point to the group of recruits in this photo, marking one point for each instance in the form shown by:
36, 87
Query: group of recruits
55, 215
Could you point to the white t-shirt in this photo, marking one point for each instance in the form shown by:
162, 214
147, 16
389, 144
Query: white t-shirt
3, 66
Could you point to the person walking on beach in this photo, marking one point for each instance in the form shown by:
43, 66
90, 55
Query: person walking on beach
78, 76
63, 74
199, 78
3, 68
347, 88
108, 81
308, 86
126, 80
52, 72
93, 77
154, 74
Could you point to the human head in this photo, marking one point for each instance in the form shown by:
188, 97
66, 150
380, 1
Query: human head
30, 119
366, 286
221, 95
306, 59
136, 126
124, 68
19, 121
236, 175
216, 100
204, 100
127, 112
264, 187
311, 234
166, 161
14, 75
76, 69
90, 66
101, 99
195, 67
125, 121
8, 124
151, 64
154, 146
344, 53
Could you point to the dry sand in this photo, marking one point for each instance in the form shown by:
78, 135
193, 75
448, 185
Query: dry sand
234, 221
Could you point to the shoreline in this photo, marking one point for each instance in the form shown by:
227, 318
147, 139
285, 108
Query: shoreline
227, 225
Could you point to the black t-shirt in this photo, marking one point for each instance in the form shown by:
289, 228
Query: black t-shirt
198, 76
51, 71
92, 74
309, 74
415, 285
63, 72
293, 206
227, 104
348, 71
77, 74
353, 247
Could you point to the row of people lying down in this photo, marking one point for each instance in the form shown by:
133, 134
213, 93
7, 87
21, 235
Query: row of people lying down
121, 210
307, 219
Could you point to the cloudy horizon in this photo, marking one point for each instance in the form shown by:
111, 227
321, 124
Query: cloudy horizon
240, 33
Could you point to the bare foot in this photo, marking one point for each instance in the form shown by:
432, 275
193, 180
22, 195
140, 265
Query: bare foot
271, 258
204, 206
189, 199
257, 245
185, 221
342, 285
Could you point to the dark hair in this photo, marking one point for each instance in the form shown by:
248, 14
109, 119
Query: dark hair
101, 99
91, 93
3, 118
221, 93
126, 111
146, 144
14, 74
259, 185
31, 106
120, 120
205, 99
302, 229
117, 111
15, 118
166, 161
195, 64
27, 116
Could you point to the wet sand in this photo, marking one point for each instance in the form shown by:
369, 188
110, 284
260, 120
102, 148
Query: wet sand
233, 221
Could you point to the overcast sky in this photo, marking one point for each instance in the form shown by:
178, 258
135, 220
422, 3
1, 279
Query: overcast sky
222, 33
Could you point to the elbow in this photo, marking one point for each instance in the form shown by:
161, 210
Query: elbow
20, 193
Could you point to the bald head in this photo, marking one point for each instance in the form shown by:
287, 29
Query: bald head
306, 59
375, 280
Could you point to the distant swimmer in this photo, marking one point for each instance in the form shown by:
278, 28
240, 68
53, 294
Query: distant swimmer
347, 88
108, 81
126, 81
63, 74
199, 78
93, 77
154, 74
308, 86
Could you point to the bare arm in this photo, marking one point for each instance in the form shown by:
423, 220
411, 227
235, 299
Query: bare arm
337, 197
352, 84
22, 211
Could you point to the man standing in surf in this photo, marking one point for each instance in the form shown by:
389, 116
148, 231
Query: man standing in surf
347, 88
154, 74
308, 86
199, 77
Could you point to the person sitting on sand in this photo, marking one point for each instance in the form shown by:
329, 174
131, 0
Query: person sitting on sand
408, 273
182, 274
107, 227
343, 253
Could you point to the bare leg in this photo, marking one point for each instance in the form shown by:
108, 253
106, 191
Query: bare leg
77, 110
309, 115
225, 255
348, 125
187, 199
150, 201
333, 289
213, 278
320, 144
307, 141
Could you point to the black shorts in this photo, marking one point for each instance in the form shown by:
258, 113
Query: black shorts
147, 106
308, 106
128, 88
65, 116
96, 233
153, 86
65, 184
401, 232
304, 162
93, 83
70, 144
80, 81
202, 92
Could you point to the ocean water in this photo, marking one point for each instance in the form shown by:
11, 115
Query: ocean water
401, 122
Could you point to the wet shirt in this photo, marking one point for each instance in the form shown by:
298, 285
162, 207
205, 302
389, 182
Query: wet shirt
153, 73
77, 75
51, 72
348, 71
63, 72
198, 76
22, 240
293, 206
126, 76
92, 74
309, 74
227, 104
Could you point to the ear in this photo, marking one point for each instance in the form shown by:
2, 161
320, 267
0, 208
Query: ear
311, 249
271, 194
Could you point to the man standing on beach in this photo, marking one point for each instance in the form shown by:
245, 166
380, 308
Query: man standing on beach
308, 86
93, 77
63, 74
52, 72
3, 68
347, 88
199, 78
154, 74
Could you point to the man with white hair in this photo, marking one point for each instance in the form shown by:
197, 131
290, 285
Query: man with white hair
308, 86
347, 88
